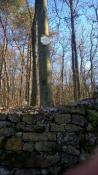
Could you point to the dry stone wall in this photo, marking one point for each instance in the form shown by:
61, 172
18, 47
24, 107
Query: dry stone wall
42, 143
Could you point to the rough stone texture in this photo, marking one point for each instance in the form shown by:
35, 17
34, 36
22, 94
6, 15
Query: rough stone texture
4, 124
1, 141
39, 136
91, 139
58, 128
42, 160
78, 120
27, 119
18, 134
6, 132
72, 128
63, 118
71, 139
14, 144
45, 146
3, 117
28, 147
14, 118
68, 159
22, 127
27, 172
71, 150
44, 143
89, 127
4, 171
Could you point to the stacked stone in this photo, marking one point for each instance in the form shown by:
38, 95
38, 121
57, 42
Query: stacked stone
40, 144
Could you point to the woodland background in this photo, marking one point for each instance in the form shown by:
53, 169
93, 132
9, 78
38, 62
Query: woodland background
73, 33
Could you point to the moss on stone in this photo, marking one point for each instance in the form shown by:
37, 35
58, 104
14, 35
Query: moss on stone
15, 159
88, 148
27, 118
2, 142
45, 146
39, 128
69, 109
14, 144
92, 116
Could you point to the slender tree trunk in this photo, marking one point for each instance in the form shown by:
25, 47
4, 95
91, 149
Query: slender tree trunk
1, 66
62, 80
28, 68
3, 62
21, 81
7, 83
91, 61
85, 89
76, 82
34, 90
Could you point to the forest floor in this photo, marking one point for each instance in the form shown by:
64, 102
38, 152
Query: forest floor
19, 109
89, 102
28, 109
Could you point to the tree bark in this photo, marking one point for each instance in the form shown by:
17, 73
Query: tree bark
44, 62
75, 70
34, 76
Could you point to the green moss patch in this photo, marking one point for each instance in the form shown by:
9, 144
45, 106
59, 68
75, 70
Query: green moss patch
92, 116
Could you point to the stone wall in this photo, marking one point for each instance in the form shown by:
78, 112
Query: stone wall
41, 143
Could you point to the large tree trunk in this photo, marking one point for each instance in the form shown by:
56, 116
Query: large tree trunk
44, 62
